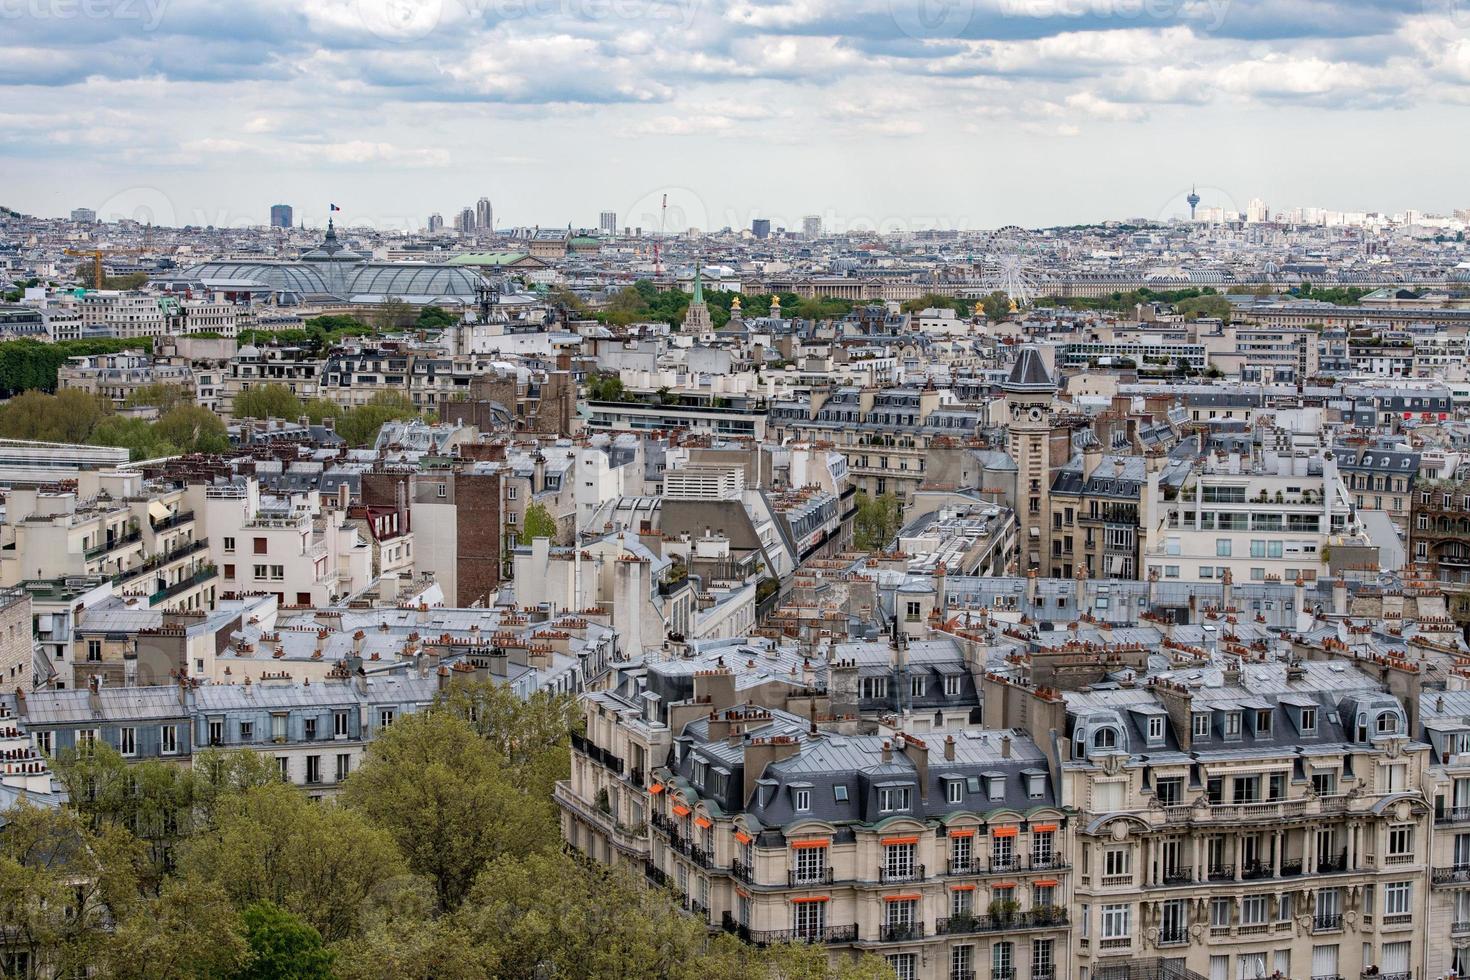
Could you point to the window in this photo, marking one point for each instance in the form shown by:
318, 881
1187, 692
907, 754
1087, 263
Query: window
961, 852
44, 742
1116, 921
283, 767
898, 860
1043, 962
839, 793
1309, 720
1169, 792
802, 800
1232, 724
911, 612
811, 864
229, 544
1396, 897
1117, 861
905, 966
1253, 910
1263, 722
1324, 782
441, 490
127, 741
1201, 726
308, 729
1002, 960
893, 798
339, 724
1105, 738
1388, 723
510, 518
1156, 728
344, 765
952, 685
229, 571
1400, 840
278, 727
260, 546
313, 769
385, 718
961, 961
168, 738
1222, 547
247, 731
874, 687
216, 731
954, 791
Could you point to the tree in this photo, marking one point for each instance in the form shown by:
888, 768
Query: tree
434, 318
317, 860
269, 401
1215, 307
539, 524
133, 434
531, 734
160, 396
61, 886
997, 306
877, 522
68, 416
445, 796
282, 947
359, 426
190, 930
392, 314
193, 429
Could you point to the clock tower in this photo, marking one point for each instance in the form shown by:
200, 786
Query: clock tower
1030, 394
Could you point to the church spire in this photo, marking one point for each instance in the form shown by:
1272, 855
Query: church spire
698, 284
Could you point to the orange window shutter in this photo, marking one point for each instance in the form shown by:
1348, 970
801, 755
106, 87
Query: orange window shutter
656, 788
891, 841
964, 832
1046, 883
801, 845
961, 888
743, 837
812, 898
1004, 832
703, 822
1044, 828
680, 810
902, 898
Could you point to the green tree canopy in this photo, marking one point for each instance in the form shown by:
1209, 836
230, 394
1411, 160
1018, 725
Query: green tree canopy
193, 429
538, 524
68, 416
877, 521
161, 396
282, 946
268, 401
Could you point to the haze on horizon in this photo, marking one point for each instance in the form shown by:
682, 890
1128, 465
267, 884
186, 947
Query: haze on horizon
871, 113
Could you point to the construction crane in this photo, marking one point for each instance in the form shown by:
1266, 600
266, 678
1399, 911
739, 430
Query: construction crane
97, 255
658, 267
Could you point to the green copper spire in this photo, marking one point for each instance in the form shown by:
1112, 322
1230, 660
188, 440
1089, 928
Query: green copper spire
698, 285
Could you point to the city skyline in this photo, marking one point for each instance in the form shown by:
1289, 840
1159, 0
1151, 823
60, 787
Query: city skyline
1032, 112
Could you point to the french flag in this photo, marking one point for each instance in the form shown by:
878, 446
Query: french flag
334, 207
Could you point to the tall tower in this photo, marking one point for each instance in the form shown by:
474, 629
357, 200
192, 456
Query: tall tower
1193, 200
484, 216
1029, 394
696, 318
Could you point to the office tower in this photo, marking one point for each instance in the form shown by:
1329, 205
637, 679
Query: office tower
811, 226
436, 223
761, 227
84, 216
281, 216
1256, 211
484, 215
465, 220
608, 222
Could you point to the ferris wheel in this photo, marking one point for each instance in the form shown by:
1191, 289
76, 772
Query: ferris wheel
1009, 264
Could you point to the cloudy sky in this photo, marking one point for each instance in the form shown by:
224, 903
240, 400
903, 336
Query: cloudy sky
896, 113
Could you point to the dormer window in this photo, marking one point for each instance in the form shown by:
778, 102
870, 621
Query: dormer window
1308, 720
1201, 725
997, 787
1104, 738
1156, 728
1263, 722
1388, 723
1232, 724
801, 800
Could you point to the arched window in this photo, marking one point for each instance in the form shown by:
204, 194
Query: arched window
1388, 723
1105, 738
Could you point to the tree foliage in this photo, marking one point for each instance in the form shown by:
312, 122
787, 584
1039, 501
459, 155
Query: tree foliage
538, 524
268, 401
877, 521
282, 947
32, 365
68, 416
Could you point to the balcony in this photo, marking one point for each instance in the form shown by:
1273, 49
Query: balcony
1173, 936
122, 540
159, 561
183, 585
184, 517
1116, 881
701, 857
1221, 872
1454, 814
1459, 874
900, 932
1332, 865
890, 876
1047, 917
1180, 875
1327, 922
743, 872
771, 937
1251, 812
1117, 945
1390, 976
820, 876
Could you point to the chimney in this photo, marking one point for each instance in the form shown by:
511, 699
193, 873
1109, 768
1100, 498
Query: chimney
1005, 746
917, 752
718, 684
887, 750
1339, 596
949, 748
1092, 455
20, 702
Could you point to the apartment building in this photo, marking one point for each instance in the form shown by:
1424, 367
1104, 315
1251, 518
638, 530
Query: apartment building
1447, 728
123, 314
1263, 519
1439, 534
117, 376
